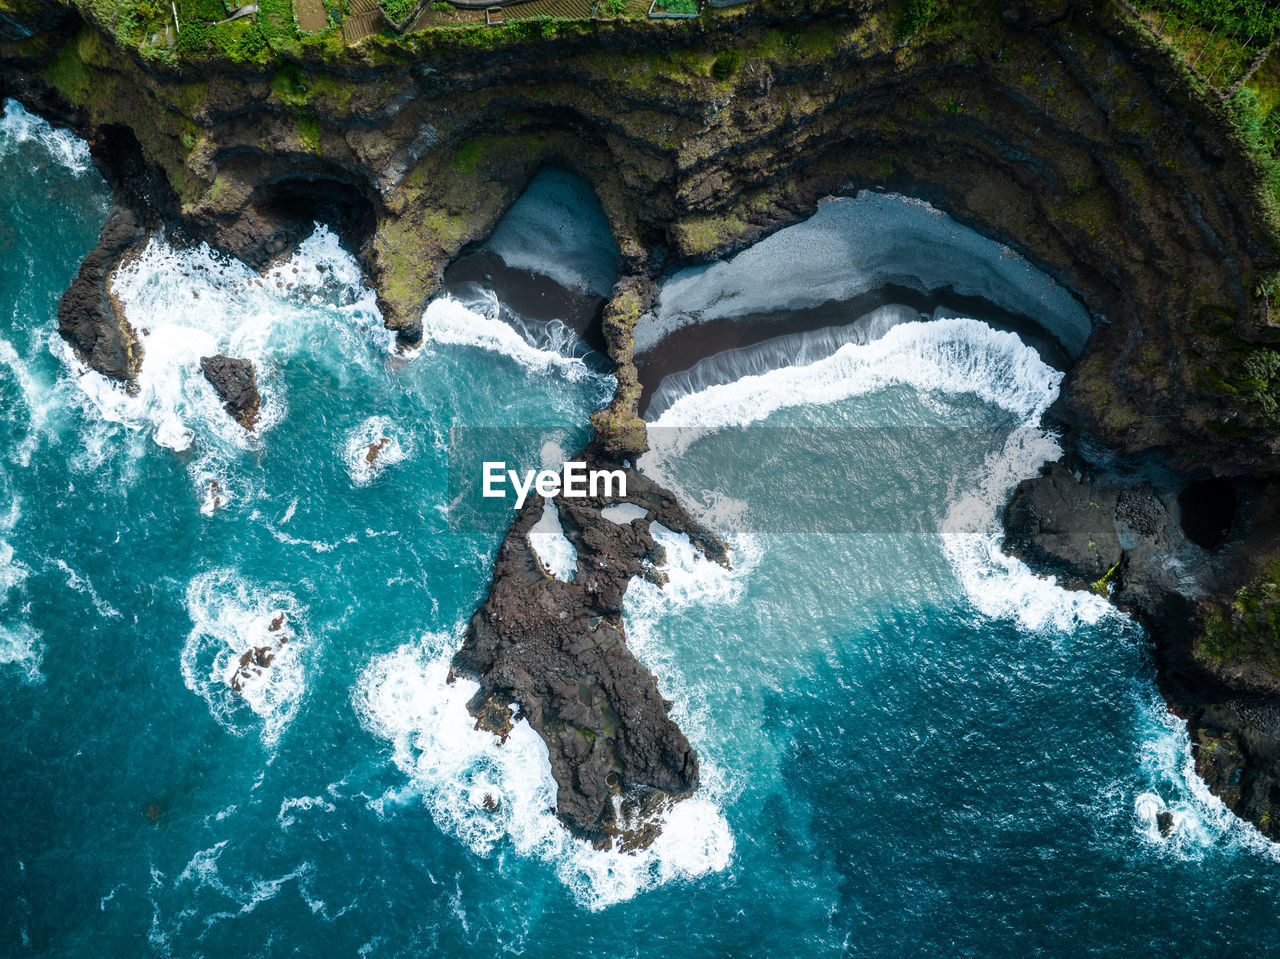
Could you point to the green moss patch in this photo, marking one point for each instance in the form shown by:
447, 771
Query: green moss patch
1247, 630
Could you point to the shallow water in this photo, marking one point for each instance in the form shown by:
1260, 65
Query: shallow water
910, 744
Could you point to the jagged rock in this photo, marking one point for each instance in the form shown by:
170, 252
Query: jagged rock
558, 650
89, 317
234, 381
1059, 524
254, 662
1231, 702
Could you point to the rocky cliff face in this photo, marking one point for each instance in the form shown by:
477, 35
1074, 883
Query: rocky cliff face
1059, 127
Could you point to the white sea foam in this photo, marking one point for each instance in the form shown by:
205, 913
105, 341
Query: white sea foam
22, 647
17, 126
38, 397
622, 513
84, 586
477, 323
1202, 823
998, 585
202, 879
229, 618
793, 349
553, 549
949, 356
21, 644
404, 697
944, 356
290, 808
371, 447
190, 303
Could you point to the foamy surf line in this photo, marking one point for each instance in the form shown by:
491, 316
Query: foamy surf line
1164, 780
186, 304
941, 356
492, 795
17, 127
947, 356
21, 644
478, 324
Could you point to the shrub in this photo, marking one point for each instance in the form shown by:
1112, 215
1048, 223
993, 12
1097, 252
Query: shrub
726, 64
916, 15
203, 11
275, 20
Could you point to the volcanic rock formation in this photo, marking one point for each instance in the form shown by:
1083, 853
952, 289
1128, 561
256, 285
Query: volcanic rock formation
235, 382
1062, 128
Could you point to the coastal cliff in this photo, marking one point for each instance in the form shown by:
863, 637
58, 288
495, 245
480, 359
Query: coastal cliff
1064, 129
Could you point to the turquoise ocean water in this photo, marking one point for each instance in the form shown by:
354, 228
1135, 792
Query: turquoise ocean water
911, 745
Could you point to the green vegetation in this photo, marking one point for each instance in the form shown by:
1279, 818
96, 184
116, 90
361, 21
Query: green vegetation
726, 64
1241, 17
398, 11
275, 20
1248, 628
309, 132
1102, 586
915, 16
1219, 39
240, 41
677, 7
201, 11
613, 8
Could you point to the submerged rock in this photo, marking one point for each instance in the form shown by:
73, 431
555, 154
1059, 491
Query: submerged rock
558, 650
235, 382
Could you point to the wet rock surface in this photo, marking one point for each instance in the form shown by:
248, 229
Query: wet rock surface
89, 317
1072, 524
255, 661
558, 652
1055, 522
235, 382
1062, 128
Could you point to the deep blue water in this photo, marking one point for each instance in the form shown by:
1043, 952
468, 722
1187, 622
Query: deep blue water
912, 746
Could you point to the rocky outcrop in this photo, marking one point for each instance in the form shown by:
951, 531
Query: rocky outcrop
236, 384
1143, 546
558, 651
255, 662
89, 316
1062, 128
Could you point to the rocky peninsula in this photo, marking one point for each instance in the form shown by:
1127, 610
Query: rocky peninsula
1068, 130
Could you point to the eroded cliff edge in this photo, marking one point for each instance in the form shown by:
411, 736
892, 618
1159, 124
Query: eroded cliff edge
1061, 128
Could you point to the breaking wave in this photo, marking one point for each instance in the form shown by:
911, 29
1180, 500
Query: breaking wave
244, 654
491, 795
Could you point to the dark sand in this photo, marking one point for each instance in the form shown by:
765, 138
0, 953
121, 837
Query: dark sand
683, 348
532, 295
539, 298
